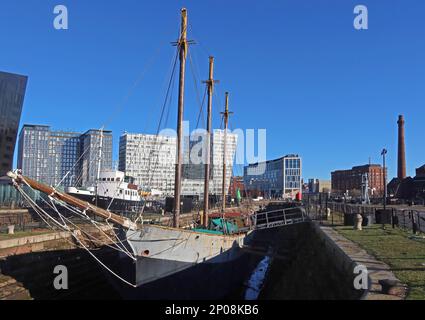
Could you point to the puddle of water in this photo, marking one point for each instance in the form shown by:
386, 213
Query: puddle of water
256, 281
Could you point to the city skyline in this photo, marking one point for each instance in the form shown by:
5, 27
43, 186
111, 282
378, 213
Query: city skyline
222, 151
66, 90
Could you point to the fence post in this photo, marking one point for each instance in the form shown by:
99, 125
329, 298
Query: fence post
374, 213
404, 219
392, 218
327, 207
414, 226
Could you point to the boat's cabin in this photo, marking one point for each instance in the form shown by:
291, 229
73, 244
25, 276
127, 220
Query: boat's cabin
116, 185
115, 176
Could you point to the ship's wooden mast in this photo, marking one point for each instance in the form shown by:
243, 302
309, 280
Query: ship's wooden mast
75, 202
210, 83
183, 48
225, 114
99, 166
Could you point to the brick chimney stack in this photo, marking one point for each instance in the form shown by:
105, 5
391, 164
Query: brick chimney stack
401, 172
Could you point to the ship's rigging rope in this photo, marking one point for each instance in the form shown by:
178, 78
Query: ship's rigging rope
120, 247
166, 103
201, 110
46, 217
196, 80
168, 97
72, 168
62, 222
164, 109
118, 107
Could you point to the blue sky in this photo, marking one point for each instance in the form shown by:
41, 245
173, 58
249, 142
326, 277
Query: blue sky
297, 68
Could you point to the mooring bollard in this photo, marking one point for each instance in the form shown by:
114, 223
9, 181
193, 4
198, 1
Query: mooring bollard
358, 222
11, 229
392, 287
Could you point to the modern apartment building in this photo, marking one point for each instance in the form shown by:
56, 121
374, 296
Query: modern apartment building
63, 153
90, 144
33, 152
150, 160
60, 157
194, 172
12, 92
280, 178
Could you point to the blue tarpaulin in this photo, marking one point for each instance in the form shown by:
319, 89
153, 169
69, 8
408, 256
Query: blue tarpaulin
229, 227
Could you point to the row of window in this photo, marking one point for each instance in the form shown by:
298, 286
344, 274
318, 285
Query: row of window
118, 179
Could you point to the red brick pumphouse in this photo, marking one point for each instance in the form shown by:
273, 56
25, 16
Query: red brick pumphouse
351, 180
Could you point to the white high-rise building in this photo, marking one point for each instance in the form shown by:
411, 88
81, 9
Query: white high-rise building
150, 159
90, 143
193, 182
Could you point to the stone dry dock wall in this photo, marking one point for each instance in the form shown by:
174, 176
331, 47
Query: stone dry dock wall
312, 262
27, 265
303, 268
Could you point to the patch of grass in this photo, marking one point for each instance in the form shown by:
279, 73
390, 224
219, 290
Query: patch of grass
397, 248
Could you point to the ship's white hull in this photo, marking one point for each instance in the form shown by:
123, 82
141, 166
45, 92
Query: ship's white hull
183, 264
162, 251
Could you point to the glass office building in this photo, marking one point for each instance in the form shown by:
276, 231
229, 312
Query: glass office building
12, 92
280, 178
292, 176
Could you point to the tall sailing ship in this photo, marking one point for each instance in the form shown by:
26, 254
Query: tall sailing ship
161, 262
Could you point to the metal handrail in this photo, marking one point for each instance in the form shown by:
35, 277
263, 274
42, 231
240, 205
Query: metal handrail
277, 218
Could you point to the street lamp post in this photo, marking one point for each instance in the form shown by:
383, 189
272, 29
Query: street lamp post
383, 153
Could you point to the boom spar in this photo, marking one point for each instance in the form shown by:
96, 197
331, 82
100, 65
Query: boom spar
80, 204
